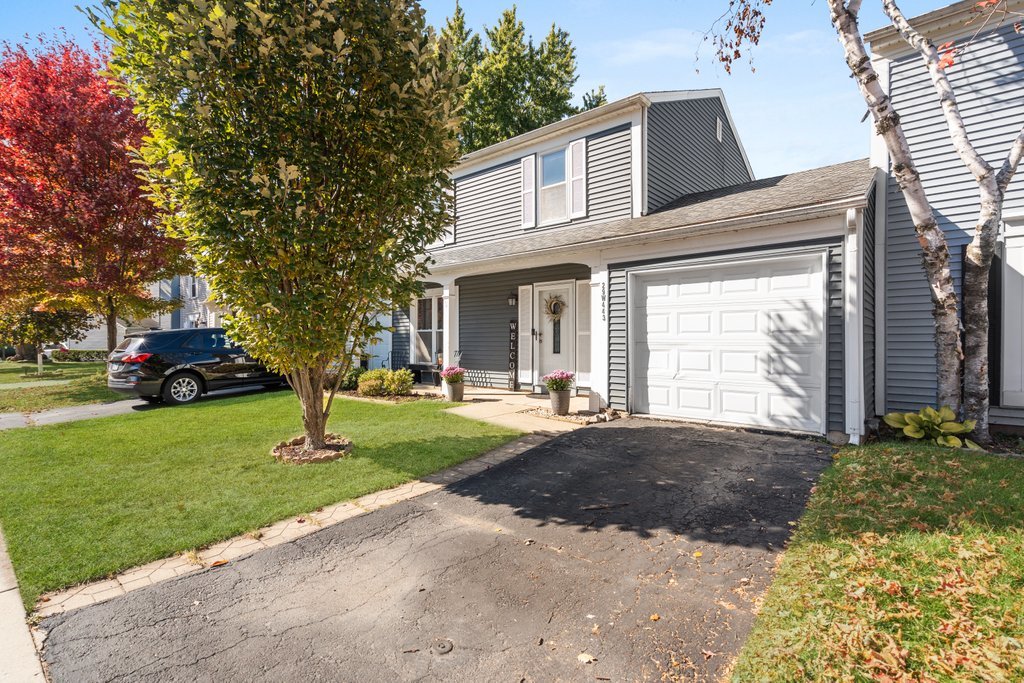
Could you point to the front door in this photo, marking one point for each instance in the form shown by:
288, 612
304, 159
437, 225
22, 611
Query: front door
555, 328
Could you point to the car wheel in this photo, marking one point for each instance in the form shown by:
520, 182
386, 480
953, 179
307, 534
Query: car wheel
182, 388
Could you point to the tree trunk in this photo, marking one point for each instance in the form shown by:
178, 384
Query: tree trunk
935, 251
111, 319
308, 384
24, 351
977, 266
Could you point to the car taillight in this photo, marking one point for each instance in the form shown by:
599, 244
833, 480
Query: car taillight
136, 358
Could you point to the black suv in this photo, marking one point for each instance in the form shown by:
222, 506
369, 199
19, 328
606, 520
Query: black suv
178, 366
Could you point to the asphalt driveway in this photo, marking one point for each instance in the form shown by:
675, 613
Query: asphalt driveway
637, 546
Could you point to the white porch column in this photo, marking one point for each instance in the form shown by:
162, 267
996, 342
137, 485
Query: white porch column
598, 337
853, 322
451, 321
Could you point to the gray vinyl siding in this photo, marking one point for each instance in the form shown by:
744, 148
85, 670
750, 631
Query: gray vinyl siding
988, 81
683, 152
484, 315
487, 204
868, 292
400, 331
618, 357
834, 344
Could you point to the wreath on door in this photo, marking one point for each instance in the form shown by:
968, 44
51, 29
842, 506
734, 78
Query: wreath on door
554, 307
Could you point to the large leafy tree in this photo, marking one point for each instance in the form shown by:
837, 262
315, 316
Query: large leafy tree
961, 343
302, 148
28, 327
514, 86
76, 229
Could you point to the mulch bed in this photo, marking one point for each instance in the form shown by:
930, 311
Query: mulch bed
415, 396
584, 418
293, 451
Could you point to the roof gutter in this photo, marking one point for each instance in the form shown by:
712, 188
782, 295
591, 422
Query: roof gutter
833, 208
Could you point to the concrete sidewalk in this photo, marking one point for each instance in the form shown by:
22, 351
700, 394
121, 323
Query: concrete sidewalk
18, 660
507, 409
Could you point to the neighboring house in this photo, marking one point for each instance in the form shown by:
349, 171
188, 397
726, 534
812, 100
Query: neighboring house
988, 80
197, 310
631, 245
96, 336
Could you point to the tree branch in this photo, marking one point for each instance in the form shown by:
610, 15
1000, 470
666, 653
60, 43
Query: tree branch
981, 169
1011, 162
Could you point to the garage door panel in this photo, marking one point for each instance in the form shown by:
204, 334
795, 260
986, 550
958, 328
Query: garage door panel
742, 344
739, 322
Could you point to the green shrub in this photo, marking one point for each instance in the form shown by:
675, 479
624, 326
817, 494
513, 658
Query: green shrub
78, 356
399, 382
939, 426
384, 382
350, 382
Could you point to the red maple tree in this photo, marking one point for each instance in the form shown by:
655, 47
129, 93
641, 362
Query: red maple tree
76, 227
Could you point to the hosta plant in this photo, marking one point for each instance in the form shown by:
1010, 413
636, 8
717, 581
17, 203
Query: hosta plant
939, 426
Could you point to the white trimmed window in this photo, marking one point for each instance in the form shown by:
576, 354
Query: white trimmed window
554, 185
428, 330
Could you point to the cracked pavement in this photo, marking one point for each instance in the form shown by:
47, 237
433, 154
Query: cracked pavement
645, 545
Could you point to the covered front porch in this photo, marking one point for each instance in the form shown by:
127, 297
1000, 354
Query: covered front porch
508, 328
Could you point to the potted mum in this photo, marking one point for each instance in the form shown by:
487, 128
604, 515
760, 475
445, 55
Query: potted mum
454, 384
559, 383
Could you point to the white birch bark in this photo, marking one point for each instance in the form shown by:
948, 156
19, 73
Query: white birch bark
935, 250
980, 252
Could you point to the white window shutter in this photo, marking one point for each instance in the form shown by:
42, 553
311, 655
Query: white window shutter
578, 179
528, 166
525, 351
583, 333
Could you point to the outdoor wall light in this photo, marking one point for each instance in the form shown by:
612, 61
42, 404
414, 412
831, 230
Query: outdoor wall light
513, 298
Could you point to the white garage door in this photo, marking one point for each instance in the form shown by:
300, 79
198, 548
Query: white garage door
735, 343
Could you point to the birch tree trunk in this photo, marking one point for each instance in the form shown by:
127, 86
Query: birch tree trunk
935, 250
978, 260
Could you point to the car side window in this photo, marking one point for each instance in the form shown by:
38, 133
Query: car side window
209, 341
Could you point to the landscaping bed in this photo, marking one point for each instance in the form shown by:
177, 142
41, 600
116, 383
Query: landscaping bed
86, 499
907, 566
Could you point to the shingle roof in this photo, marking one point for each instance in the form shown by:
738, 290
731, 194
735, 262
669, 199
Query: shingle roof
806, 189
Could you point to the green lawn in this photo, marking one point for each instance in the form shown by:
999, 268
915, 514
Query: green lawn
86, 499
11, 373
82, 391
908, 565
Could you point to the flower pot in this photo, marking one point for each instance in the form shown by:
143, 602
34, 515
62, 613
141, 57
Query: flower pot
560, 401
453, 392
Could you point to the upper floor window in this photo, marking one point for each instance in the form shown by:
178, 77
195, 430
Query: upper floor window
554, 185
194, 282
553, 199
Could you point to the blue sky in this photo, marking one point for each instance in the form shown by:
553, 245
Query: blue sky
799, 110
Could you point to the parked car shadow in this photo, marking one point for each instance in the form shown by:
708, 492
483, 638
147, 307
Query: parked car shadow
724, 486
